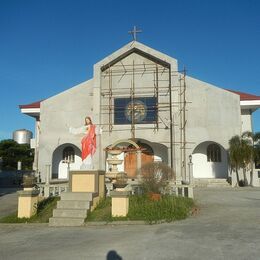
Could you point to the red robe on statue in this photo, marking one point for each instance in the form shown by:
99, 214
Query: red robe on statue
88, 142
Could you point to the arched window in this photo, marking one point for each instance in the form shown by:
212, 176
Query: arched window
214, 153
68, 155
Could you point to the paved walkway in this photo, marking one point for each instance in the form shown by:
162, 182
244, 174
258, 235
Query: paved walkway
227, 227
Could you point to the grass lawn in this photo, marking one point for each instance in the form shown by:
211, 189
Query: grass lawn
44, 212
168, 208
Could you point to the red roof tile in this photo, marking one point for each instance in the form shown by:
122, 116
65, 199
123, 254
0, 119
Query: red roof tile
32, 105
245, 96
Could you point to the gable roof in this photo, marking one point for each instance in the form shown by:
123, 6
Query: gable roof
141, 49
245, 96
31, 105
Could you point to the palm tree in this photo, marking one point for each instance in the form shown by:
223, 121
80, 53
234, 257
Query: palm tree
240, 155
255, 143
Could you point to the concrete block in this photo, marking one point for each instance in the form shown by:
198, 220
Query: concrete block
120, 203
27, 203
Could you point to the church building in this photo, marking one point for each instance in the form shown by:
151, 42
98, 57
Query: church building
139, 100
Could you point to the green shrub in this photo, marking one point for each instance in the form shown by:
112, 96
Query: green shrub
168, 208
102, 211
155, 177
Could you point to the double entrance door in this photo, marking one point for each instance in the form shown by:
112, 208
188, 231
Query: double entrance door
130, 160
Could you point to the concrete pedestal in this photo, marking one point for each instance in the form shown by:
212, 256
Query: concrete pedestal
27, 203
87, 181
120, 203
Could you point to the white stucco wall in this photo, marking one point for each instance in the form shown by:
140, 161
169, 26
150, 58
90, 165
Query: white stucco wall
213, 114
246, 120
204, 169
58, 113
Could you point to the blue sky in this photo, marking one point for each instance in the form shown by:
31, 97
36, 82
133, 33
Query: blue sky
49, 46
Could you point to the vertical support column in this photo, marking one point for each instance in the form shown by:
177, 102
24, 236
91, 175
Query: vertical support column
171, 119
156, 94
36, 150
98, 161
110, 100
48, 171
190, 164
138, 163
47, 180
184, 124
132, 103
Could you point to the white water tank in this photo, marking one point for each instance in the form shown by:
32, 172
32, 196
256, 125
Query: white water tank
22, 136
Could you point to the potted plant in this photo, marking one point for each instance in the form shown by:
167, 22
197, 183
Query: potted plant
121, 180
29, 181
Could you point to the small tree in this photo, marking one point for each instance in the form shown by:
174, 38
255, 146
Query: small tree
240, 155
12, 152
155, 176
254, 139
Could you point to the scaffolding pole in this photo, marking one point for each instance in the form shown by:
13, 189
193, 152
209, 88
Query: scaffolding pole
164, 92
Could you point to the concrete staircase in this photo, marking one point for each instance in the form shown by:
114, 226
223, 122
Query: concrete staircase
72, 209
211, 183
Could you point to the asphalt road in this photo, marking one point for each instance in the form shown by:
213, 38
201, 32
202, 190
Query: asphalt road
226, 227
8, 201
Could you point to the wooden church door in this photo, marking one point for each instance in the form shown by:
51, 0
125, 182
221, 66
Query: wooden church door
131, 160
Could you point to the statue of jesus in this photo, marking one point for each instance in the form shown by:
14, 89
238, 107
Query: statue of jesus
88, 143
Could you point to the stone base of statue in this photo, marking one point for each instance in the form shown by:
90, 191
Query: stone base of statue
87, 181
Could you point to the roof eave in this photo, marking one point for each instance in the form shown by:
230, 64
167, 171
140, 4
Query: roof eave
33, 112
250, 104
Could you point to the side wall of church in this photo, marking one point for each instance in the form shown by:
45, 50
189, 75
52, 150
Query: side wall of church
213, 114
246, 118
58, 113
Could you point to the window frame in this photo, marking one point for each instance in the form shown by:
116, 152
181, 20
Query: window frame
214, 153
68, 154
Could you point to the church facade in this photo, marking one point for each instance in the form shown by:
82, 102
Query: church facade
139, 100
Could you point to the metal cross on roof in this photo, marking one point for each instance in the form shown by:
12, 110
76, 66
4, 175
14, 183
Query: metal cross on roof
134, 32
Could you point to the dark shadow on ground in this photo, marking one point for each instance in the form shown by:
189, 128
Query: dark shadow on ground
113, 255
5, 191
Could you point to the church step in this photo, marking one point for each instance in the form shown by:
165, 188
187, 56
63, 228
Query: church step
66, 222
86, 196
70, 213
73, 204
210, 182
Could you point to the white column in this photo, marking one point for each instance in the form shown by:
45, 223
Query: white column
138, 163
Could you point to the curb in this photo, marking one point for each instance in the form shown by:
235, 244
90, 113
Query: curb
116, 223
24, 224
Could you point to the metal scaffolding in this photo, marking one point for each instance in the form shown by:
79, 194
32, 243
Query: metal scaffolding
166, 86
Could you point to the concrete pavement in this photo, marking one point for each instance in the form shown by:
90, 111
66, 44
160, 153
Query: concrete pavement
226, 227
8, 201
